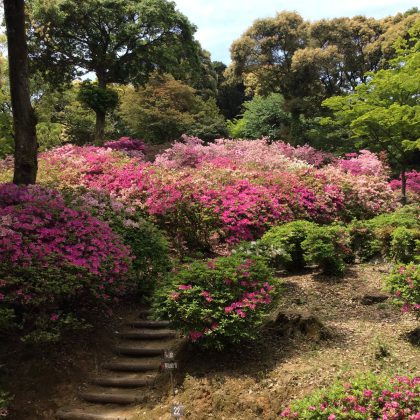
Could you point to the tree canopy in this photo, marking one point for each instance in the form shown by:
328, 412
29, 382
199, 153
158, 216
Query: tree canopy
120, 41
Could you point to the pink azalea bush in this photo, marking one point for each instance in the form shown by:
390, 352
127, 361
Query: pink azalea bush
369, 397
128, 145
220, 301
404, 284
412, 184
51, 255
229, 190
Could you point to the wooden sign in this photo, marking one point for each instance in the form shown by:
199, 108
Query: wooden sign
170, 365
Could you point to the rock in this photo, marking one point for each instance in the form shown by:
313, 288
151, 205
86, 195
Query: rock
372, 299
292, 323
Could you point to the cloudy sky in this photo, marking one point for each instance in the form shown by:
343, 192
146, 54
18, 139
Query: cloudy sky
220, 22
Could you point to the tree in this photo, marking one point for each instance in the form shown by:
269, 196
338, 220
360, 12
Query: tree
24, 120
165, 108
120, 41
384, 112
263, 116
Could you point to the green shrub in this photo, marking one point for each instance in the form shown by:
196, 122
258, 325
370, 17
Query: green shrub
390, 235
288, 238
220, 301
4, 401
404, 284
405, 244
328, 247
366, 397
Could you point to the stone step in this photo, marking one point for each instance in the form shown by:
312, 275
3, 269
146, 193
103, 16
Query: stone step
145, 313
139, 350
133, 365
80, 414
114, 396
145, 323
127, 380
147, 334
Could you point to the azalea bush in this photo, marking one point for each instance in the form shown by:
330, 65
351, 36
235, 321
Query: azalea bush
226, 191
394, 235
219, 301
412, 184
367, 397
132, 147
404, 284
288, 237
328, 247
54, 258
147, 243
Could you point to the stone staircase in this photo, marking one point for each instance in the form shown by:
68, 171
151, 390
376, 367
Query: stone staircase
131, 376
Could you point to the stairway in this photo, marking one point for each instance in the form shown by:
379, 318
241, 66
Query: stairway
130, 376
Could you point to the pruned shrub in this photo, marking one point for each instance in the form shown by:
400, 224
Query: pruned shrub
328, 247
220, 301
289, 238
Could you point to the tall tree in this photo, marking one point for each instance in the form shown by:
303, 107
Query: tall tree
384, 112
120, 41
24, 119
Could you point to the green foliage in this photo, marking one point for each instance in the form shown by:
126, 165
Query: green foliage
96, 97
366, 396
328, 247
4, 402
218, 302
384, 112
165, 108
263, 117
392, 235
404, 284
289, 238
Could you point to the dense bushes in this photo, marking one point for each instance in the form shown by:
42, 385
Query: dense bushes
220, 301
51, 256
366, 397
395, 235
404, 284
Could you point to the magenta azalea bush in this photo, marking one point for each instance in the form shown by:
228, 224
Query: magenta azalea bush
132, 147
51, 255
229, 190
220, 301
412, 184
404, 284
368, 397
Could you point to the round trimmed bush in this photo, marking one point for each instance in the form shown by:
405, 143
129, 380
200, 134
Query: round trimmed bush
218, 302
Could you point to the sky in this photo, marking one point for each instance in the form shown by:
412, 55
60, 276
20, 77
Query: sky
220, 22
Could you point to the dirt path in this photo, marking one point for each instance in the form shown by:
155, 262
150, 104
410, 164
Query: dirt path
257, 381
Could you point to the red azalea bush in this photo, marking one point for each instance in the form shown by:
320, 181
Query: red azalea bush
369, 397
51, 255
218, 302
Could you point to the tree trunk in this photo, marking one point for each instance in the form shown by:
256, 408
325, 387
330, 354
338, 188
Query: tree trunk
99, 128
403, 187
24, 119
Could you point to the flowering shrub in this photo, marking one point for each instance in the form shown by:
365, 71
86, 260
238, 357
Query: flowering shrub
369, 397
148, 245
412, 184
220, 301
132, 147
404, 284
51, 255
230, 190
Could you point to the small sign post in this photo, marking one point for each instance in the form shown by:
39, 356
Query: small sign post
177, 411
170, 365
